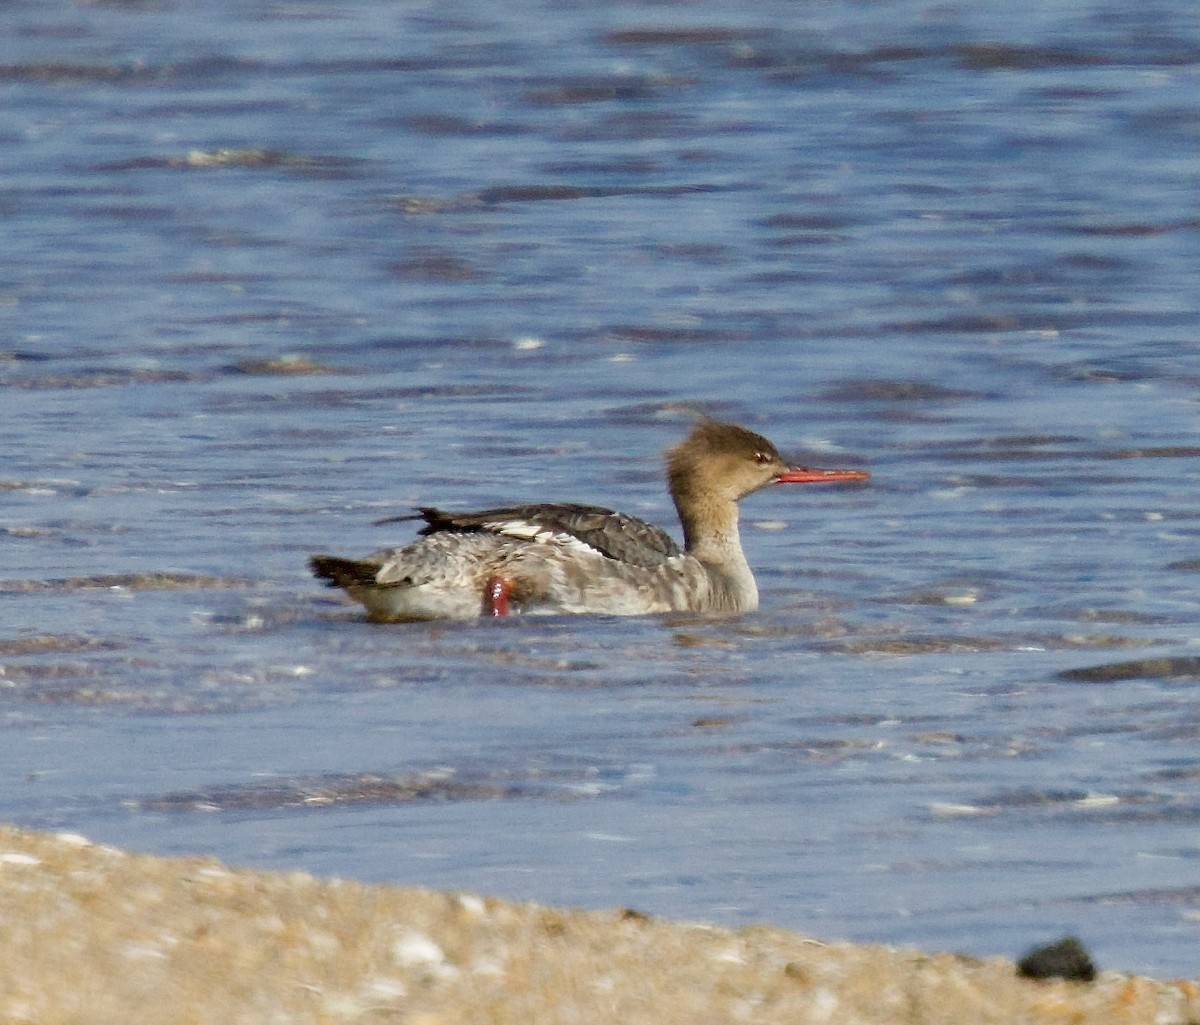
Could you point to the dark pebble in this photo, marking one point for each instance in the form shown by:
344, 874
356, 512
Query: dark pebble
1066, 959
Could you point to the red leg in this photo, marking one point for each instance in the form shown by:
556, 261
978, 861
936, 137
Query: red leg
495, 596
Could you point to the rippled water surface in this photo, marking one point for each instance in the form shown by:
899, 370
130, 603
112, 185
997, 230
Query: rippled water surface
274, 271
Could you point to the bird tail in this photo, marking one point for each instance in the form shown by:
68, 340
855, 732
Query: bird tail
338, 572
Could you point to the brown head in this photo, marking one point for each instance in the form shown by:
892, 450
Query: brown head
724, 462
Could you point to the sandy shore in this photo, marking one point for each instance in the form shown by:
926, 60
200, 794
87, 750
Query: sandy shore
92, 934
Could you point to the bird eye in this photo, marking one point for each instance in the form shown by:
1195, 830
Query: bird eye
762, 458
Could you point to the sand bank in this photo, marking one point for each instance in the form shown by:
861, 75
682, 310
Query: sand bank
93, 934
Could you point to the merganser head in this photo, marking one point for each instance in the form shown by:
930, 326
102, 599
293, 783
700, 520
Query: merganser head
726, 462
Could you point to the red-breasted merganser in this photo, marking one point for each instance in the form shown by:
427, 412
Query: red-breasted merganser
581, 558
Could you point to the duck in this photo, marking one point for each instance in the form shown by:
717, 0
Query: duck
566, 558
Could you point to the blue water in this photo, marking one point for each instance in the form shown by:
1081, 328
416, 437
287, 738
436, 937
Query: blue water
275, 271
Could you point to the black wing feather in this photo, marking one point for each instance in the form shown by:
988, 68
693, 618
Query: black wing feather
623, 538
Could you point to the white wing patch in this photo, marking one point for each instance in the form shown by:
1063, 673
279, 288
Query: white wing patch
540, 534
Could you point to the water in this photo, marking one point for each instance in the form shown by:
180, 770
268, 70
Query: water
274, 271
